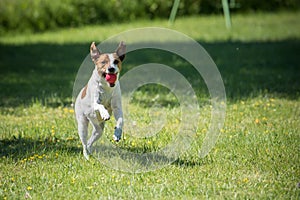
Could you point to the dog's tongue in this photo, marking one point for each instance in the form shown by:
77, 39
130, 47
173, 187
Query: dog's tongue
111, 78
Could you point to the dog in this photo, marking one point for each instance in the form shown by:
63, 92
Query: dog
100, 97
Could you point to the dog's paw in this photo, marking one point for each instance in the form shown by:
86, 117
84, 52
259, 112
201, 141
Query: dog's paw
86, 154
117, 135
103, 112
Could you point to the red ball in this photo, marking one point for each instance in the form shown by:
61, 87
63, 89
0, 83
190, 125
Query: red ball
111, 78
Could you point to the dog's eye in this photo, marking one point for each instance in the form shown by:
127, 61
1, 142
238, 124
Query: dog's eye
103, 63
116, 62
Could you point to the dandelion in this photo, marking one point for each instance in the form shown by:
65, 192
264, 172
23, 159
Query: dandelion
133, 144
73, 180
12, 179
216, 150
71, 111
256, 121
245, 180
89, 187
52, 130
29, 188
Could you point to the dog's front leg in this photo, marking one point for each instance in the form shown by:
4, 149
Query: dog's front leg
118, 114
102, 111
119, 124
99, 107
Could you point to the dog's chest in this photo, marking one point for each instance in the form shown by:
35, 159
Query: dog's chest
105, 98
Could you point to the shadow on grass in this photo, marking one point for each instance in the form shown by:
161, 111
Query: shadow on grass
20, 148
46, 72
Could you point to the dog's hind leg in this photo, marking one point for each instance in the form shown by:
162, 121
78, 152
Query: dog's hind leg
83, 133
96, 134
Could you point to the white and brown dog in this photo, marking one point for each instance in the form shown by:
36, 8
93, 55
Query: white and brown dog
100, 97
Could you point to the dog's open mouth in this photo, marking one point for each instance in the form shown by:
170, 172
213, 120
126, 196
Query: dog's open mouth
111, 79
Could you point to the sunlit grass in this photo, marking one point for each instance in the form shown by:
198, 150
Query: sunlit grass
263, 27
256, 156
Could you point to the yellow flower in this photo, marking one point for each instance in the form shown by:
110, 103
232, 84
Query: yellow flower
71, 110
245, 180
256, 121
73, 180
29, 188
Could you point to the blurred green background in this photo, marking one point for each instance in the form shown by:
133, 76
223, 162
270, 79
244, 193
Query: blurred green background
41, 15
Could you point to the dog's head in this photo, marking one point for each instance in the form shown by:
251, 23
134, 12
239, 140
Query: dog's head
108, 65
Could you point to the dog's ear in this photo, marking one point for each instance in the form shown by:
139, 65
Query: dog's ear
121, 51
95, 53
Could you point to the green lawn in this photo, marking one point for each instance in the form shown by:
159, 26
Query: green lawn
256, 155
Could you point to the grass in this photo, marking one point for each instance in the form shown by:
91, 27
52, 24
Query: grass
256, 155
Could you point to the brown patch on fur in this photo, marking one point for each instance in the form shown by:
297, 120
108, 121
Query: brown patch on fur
83, 94
102, 64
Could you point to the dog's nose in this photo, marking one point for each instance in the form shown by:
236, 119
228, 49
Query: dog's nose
111, 69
